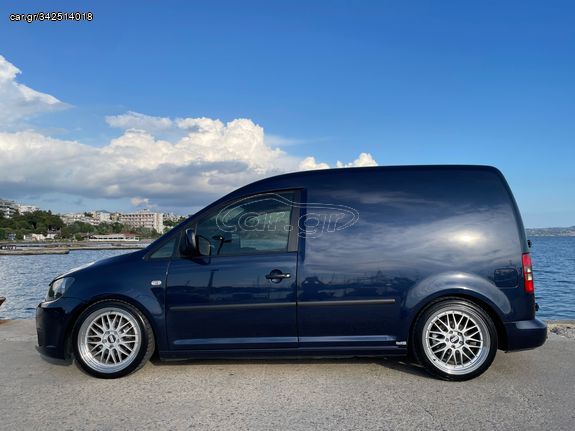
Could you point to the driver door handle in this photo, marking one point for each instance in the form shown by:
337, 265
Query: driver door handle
276, 275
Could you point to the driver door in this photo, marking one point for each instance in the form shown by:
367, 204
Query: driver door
242, 296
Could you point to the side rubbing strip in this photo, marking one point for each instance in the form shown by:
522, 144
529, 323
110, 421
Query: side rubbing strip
347, 302
232, 306
212, 307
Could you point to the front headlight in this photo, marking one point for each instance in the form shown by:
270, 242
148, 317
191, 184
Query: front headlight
58, 287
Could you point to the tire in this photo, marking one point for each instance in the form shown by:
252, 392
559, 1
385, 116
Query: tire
112, 339
454, 339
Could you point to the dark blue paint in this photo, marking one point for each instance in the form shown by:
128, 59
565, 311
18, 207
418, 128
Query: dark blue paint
423, 233
250, 306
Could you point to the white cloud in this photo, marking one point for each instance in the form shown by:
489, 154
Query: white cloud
141, 202
135, 120
19, 102
188, 171
155, 161
192, 170
309, 164
280, 141
364, 159
137, 164
200, 124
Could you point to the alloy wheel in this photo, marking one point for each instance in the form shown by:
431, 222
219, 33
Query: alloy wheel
455, 341
109, 340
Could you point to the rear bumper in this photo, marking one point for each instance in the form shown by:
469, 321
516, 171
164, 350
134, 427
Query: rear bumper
52, 322
525, 334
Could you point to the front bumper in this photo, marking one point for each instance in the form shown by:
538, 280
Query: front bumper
53, 321
525, 334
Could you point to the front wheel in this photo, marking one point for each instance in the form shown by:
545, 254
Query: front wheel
455, 339
112, 339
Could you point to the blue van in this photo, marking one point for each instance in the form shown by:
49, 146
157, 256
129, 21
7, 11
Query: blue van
426, 261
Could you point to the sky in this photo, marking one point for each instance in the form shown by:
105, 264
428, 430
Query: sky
171, 104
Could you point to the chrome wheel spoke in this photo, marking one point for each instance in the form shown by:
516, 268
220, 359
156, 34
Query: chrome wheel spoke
96, 347
466, 325
465, 354
440, 349
443, 324
444, 353
124, 350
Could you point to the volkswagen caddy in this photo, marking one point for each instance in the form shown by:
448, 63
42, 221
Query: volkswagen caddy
426, 261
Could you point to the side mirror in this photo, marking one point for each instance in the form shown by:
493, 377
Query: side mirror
204, 246
195, 245
189, 246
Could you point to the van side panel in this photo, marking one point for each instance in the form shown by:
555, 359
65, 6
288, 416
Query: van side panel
415, 224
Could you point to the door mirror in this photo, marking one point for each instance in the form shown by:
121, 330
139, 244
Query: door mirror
195, 245
189, 246
204, 246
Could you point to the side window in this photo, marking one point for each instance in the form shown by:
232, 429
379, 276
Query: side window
164, 251
253, 225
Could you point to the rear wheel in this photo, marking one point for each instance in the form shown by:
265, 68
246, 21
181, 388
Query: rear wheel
112, 339
455, 339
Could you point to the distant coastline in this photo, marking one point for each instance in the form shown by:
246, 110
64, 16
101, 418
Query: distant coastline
551, 231
21, 248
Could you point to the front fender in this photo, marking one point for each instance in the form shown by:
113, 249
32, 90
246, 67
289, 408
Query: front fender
128, 279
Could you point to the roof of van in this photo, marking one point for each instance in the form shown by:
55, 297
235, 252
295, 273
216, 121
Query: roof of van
297, 179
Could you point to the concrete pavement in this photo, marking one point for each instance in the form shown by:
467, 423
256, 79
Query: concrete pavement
524, 390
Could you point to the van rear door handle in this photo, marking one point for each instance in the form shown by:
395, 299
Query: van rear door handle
276, 275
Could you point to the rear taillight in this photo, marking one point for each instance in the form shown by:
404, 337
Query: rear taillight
527, 273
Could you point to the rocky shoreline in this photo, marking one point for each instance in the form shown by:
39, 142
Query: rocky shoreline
564, 328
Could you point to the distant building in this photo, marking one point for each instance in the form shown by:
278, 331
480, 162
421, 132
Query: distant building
145, 219
102, 216
35, 237
81, 217
23, 209
172, 217
8, 208
114, 237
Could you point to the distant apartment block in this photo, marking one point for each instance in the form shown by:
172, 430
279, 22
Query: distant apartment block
145, 219
23, 209
102, 216
8, 208
81, 217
